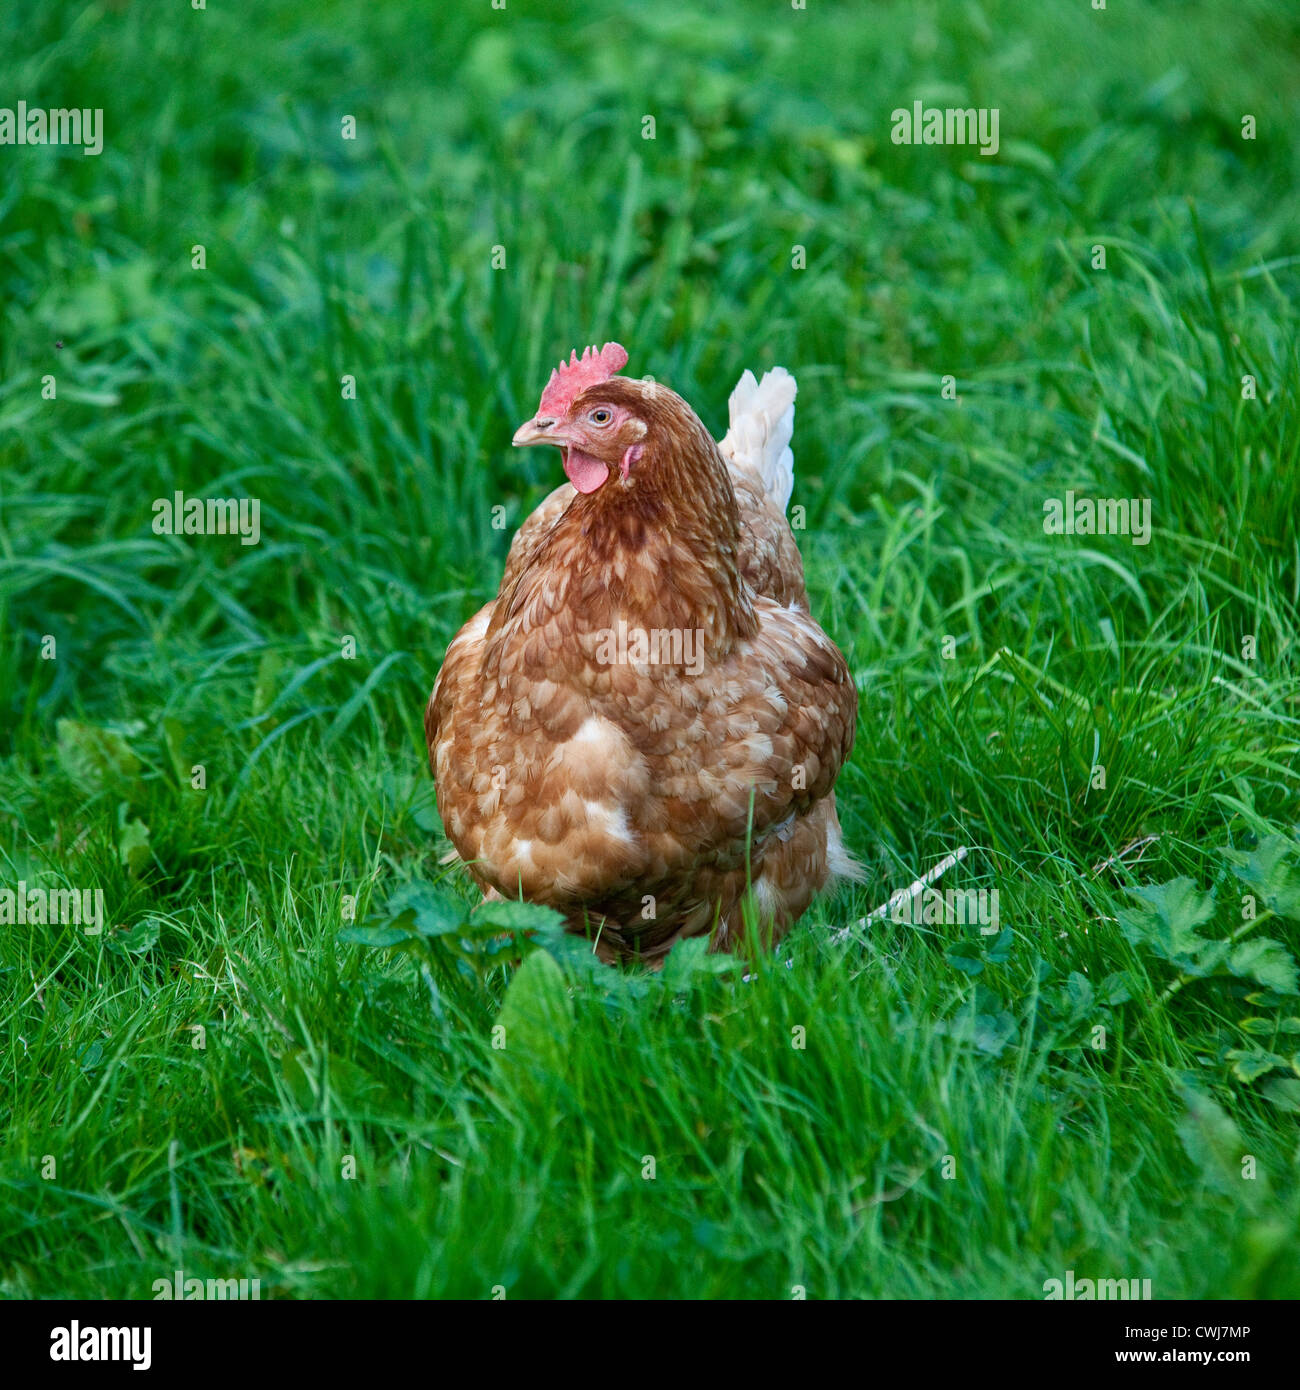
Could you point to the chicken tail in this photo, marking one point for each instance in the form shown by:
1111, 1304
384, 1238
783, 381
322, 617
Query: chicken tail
762, 423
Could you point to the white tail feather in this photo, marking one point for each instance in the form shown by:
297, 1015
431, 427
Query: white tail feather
762, 423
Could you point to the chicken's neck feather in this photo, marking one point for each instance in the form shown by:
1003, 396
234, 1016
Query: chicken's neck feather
655, 551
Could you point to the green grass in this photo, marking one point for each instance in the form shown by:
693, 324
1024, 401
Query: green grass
950, 1128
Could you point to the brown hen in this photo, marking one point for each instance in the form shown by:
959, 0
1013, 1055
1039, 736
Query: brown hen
647, 719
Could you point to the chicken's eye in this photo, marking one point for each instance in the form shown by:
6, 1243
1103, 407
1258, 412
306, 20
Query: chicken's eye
601, 416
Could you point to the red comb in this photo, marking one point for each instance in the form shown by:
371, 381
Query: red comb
573, 377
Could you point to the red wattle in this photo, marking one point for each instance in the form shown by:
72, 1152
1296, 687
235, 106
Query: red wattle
583, 471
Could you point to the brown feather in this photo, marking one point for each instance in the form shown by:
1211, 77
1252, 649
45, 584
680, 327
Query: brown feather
620, 792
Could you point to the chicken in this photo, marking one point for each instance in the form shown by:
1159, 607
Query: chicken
647, 720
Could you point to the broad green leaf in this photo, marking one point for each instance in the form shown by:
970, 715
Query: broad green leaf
536, 1023
961, 958
373, 934
133, 849
435, 913
575, 954
1249, 1064
1001, 946
95, 759
1078, 994
691, 959
136, 940
1266, 961
487, 946
517, 916
1167, 919
1271, 870
352, 1085
1212, 1140
1265, 999
1283, 1092
347, 1082
993, 1032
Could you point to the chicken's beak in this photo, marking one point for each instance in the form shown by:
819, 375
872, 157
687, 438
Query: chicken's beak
538, 431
